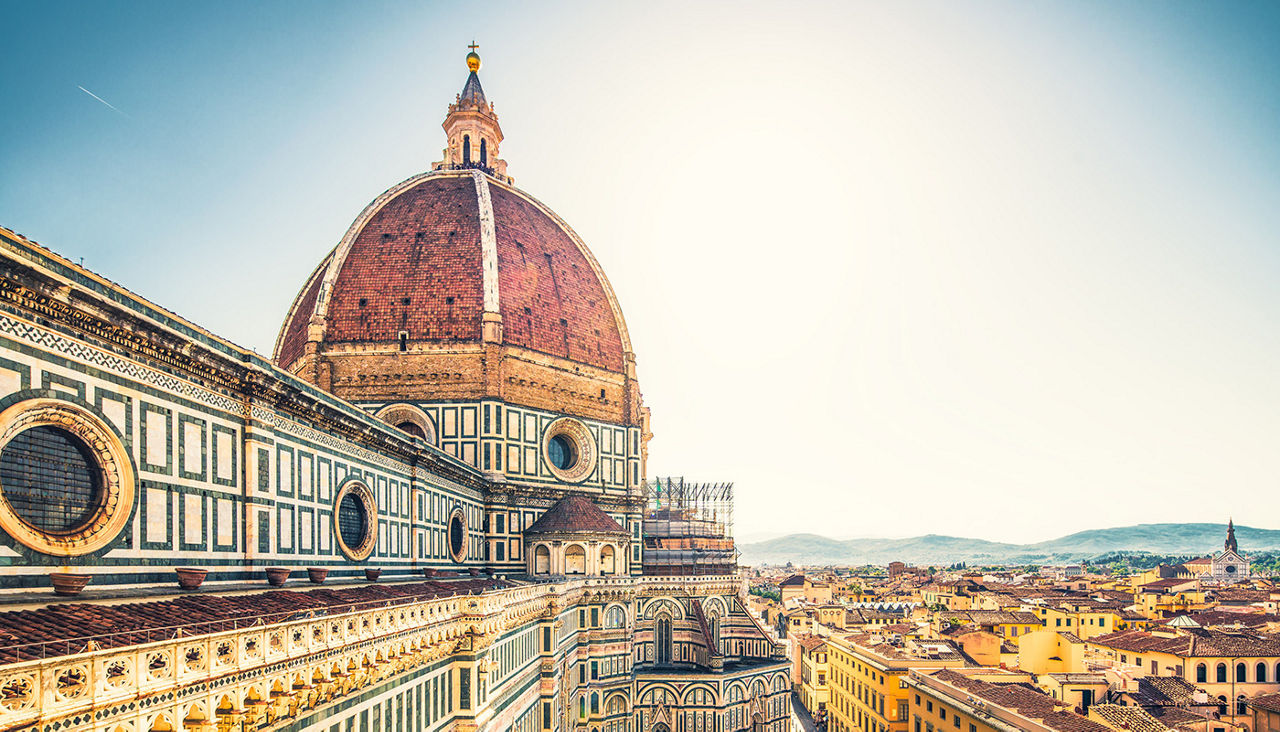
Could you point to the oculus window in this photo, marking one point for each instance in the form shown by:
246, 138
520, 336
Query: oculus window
51, 479
67, 483
458, 535
355, 520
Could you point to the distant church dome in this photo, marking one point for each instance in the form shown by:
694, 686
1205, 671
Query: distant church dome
447, 266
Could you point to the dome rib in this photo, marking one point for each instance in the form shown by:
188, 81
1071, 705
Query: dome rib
293, 336
619, 321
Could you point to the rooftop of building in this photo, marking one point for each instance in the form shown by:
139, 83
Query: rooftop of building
1127, 718
1268, 702
1023, 699
989, 617
575, 514
1217, 618
1201, 642
889, 650
65, 627
1167, 691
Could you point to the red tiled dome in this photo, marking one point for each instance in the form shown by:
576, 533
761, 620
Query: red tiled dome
575, 514
421, 260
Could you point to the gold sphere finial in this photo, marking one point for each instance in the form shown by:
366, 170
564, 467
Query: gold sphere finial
473, 58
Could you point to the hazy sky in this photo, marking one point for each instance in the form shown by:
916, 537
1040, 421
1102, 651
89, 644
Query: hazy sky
1005, 270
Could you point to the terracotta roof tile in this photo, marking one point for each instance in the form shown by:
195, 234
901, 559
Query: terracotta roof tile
66, 628
552, 301
574, 514
1269, 702
1129, 718
1023, 699
423, 246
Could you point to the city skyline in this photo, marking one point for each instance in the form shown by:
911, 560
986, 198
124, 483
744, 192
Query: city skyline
893, 271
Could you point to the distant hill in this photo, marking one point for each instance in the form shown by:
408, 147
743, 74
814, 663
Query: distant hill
1192, 539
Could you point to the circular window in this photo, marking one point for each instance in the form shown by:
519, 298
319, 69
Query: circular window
569, 449
560, 452
66, 479
51, 479
355, 520
458, 535
352, 520
1231, 569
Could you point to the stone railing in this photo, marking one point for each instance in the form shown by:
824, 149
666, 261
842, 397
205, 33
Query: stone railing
321, 656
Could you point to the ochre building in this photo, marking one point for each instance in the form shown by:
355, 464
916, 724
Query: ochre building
441, 472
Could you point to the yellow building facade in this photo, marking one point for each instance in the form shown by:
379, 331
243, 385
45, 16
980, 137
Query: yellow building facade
868, 687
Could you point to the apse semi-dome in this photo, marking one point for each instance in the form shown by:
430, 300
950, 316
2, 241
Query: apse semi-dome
454, 284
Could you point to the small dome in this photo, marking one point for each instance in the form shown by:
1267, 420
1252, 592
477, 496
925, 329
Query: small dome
574, 515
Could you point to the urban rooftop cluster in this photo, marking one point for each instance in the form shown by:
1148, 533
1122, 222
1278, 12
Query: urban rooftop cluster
1193, 646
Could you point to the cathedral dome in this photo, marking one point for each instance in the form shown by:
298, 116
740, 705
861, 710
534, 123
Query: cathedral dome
435, 258
456, 286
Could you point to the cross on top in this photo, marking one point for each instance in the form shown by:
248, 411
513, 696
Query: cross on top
473, 46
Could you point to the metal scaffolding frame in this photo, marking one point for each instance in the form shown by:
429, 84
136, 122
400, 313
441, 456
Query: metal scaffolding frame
688, 527
700, 502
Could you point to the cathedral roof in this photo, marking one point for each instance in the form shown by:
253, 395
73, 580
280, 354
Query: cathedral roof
31, 634
575, 514
436, 254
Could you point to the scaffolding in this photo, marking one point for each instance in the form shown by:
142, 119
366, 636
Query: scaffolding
688, 528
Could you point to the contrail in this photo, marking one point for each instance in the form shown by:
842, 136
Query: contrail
100, 99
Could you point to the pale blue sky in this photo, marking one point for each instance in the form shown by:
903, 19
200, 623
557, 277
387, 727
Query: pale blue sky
993, 269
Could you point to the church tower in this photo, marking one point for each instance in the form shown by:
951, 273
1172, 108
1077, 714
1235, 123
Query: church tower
1230, 543
472, 129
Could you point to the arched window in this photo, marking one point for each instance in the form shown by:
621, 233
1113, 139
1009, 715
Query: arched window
715, 631
541, 559
1241, 672
1242, 705
615, 617
1260, 673
607, 560
466, 149
595, 703
1202, 674
582, 707
575, 560
662, 640
484, 152
1222, 673
1222, 704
